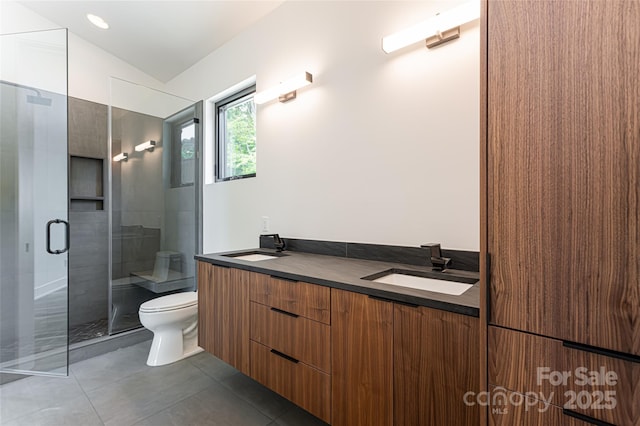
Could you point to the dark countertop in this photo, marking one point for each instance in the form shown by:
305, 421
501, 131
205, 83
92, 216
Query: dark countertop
346, 273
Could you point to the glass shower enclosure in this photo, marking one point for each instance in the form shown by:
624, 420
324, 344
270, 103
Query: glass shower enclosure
154, 181
34, 232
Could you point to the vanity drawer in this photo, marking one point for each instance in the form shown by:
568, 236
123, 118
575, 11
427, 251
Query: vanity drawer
306, 340
307, 300
301, 384
528, 412
603, 387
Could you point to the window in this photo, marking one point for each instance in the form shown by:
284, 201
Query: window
183, 153
236, 136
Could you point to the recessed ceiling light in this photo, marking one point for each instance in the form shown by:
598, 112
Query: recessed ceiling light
97, 21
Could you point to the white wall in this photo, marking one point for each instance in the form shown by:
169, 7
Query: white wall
89, 66
379, 149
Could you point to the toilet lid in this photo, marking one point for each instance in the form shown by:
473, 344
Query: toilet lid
170, 302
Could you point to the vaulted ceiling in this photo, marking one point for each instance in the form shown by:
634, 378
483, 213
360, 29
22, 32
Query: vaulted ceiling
161, 38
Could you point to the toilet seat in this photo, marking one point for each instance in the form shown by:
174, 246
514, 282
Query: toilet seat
171, 302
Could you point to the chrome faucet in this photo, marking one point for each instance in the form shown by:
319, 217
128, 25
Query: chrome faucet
278, 242
438, 262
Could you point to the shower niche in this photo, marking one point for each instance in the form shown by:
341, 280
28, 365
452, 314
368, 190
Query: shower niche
86, 183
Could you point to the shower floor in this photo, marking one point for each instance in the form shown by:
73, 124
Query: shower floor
99, 328
89, 330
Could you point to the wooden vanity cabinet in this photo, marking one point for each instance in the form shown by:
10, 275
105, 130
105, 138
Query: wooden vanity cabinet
435, 356
223, 313
345, 357
362, 360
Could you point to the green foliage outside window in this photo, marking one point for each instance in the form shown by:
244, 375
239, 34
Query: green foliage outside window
241, 138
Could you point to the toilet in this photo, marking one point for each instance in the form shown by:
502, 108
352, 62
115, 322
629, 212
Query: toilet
173, 319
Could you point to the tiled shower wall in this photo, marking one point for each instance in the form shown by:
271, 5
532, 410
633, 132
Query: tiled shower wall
88, 253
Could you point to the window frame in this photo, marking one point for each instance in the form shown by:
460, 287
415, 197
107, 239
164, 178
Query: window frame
220, 146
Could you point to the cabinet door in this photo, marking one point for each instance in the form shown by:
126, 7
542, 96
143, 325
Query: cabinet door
206, 318
563, 171
223, 320
435, 365
362, 360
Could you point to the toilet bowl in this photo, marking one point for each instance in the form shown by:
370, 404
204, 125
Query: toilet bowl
173, 319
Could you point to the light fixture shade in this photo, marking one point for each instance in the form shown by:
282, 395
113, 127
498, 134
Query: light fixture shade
123, 156
290, 85
440, 23
146, 145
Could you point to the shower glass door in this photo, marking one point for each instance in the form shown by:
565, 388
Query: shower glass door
153, 191
33, 203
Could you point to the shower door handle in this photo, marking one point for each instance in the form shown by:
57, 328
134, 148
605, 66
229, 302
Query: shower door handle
66, 236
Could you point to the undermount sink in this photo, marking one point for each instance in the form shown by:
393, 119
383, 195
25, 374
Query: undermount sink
255, 256
437, 282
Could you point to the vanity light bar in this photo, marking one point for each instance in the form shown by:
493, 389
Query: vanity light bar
285, 91
146, 145
435, 30
123, 156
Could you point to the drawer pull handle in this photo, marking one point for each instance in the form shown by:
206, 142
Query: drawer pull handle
585, 418
280, 311
284, 279
600, 351
285, 356
384, 299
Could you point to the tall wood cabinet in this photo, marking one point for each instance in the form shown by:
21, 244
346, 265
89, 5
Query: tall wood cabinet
562, 201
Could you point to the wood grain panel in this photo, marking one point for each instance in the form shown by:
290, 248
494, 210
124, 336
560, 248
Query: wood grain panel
435, 364
362, 360
303, 385
308, 300
527, 412
515, 357
625, 391
206, 318
563, 169
223, 301
484, 314
306, 340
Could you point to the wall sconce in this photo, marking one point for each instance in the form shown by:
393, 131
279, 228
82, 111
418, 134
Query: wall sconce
439, 29
148, 145
123, 156
285, 91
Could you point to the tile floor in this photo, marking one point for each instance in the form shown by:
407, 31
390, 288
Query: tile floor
119, 389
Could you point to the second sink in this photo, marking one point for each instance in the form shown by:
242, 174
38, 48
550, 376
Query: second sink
429, 281
255, 255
